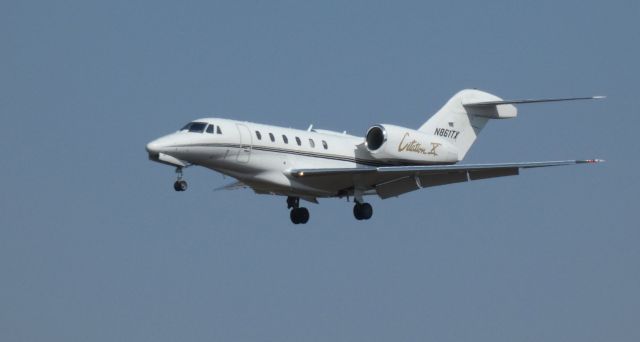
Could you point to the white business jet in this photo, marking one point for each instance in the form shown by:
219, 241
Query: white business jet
310, 164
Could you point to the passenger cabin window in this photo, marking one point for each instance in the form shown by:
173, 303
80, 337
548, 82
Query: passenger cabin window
311, 143
298, 141
210, 129
273, 139
258, 135
219, 130
285, 139
324, 144
195, 127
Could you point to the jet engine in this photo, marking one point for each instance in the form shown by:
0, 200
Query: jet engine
397, 144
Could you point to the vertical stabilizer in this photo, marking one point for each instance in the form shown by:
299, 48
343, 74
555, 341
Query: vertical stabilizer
460, 120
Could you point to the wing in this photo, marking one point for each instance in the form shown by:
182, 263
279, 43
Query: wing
390, 181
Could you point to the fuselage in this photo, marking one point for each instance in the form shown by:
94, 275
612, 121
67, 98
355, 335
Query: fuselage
388, 161
262, 155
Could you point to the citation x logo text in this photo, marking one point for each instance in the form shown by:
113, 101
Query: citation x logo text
433, 148
415, 146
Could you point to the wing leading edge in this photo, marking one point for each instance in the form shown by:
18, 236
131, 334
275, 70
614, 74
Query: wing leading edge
390, 181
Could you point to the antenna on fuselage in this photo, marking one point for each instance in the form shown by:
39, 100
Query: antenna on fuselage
310, 128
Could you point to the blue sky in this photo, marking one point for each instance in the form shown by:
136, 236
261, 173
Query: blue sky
95, 245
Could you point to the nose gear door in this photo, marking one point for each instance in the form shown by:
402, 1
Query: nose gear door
244, 152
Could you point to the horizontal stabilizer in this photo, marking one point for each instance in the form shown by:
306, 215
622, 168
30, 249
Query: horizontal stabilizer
505, 102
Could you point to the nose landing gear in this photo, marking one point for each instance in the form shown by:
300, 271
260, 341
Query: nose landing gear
298, 215
180, 184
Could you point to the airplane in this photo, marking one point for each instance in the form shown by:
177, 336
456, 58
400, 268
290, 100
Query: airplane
309, 164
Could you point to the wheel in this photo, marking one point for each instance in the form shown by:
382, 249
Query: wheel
299, 215
357, 211
180, 185
366, 210
304, 215
362, 211
295, 219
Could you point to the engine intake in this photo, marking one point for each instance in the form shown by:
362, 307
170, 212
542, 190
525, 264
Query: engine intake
376, 136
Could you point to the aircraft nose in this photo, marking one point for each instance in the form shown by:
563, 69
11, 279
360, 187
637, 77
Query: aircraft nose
163, 144
154, 146
160, 145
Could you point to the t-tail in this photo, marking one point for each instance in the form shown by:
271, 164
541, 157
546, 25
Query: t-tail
462, 118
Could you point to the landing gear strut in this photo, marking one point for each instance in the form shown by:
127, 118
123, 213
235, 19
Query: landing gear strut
298, 215
362, 211
180, 184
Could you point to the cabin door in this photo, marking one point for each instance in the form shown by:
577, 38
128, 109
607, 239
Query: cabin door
244, 152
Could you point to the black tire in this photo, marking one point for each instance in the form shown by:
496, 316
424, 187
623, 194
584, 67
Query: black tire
303, 215
366, 211
180, 185
362, 211
177, 186
295, 218
357, 211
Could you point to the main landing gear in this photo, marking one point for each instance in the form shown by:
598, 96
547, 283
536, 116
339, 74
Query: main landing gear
361, 209
180, 184
298, 215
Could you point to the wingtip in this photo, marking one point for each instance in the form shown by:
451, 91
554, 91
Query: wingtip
599, 97
591, 161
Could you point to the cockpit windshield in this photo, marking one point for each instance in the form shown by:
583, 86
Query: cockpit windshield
196, 127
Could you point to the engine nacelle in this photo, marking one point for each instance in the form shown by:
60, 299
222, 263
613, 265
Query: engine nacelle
399, 144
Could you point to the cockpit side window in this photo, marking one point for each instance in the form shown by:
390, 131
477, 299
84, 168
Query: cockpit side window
219, 131
210, 129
